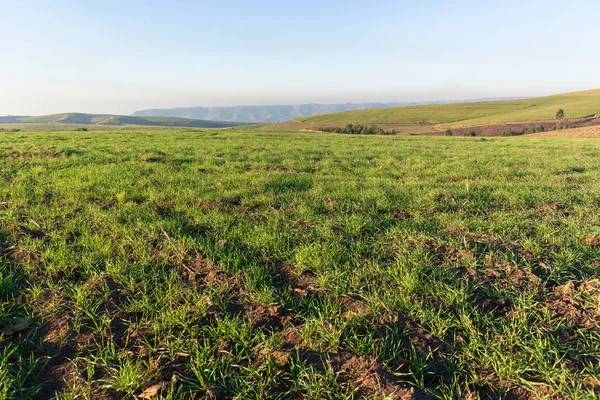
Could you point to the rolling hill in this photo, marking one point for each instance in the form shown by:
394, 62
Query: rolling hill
115, 120
576, 105
269, 113
260, 114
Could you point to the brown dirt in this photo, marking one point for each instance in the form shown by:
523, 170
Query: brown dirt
442, 253
293, 338
505, 274
300, 284
400, 216
270, 169
436, 350
60, 345
499, 306
354, 307
273, 316
205, 272
566, 303
152, 160
369, 377
163, 367
44, 154
304, 225
550, 207
12, 252
572, 312
497, 129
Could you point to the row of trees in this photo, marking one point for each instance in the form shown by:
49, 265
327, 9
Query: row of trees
524, 131
563, 126
352, 129
538, 128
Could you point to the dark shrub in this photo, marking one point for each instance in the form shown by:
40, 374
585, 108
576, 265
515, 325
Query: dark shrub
352, 129
527, 131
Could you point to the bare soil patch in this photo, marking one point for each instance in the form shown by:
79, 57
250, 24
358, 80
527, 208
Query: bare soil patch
28, 154
370, 378
591, 124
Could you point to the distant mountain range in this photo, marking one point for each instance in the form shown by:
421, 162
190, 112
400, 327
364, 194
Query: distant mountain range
274, 113
106, 119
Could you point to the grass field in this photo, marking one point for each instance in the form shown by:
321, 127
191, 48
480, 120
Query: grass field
247, 264
113, 120
575, 105
62, 127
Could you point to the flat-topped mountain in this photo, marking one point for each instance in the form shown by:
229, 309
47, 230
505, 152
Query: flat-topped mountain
268, 113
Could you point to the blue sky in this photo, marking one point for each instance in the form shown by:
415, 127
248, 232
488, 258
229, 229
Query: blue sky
119, 56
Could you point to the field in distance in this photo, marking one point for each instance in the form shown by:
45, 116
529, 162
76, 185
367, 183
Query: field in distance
576, 105
114, 120
587, 132
248, 264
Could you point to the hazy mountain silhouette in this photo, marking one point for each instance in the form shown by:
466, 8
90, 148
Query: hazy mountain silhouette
272, 113
108, 119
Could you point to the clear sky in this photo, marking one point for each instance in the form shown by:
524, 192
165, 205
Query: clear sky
120, 56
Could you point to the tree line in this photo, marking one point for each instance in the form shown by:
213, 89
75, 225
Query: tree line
352, 129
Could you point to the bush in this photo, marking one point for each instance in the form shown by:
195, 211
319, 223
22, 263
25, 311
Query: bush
524, 131
352, 129
448, 133
560, 114
81, 129
470, 133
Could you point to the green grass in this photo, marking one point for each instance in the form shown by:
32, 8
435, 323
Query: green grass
295, 265
575, 105
106, 119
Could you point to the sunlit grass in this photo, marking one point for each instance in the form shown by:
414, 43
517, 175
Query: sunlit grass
254, 264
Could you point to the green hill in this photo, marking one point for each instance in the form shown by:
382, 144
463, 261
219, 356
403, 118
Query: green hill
575, 105
106, 119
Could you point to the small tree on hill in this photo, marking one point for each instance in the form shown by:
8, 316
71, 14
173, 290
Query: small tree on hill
448, 133
560, 114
